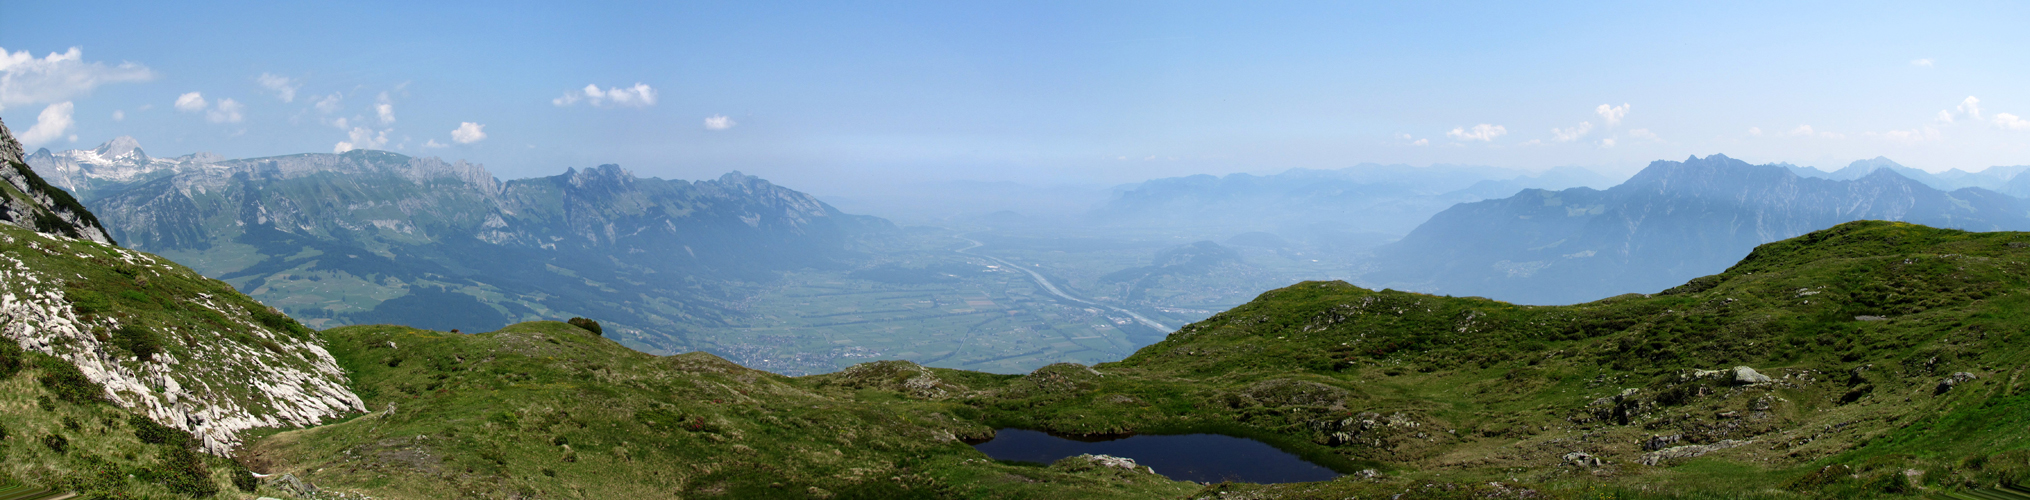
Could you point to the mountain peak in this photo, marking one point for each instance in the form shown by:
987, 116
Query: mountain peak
608, 174
118, 147
1872, 164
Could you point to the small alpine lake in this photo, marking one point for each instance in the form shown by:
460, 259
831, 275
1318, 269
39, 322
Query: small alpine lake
1205, 458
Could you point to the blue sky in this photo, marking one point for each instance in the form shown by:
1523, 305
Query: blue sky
830, 96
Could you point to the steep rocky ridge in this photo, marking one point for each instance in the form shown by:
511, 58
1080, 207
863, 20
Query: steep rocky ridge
29, 202
220, 363
1672, 222
217, 363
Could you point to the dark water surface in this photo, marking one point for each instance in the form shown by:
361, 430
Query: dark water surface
1206, 458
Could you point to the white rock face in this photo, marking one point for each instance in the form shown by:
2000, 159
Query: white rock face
1745, 375
217, 388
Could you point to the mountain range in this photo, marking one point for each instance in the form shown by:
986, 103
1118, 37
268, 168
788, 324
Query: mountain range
1350, 208
377, 237
1671, 222
2002, 179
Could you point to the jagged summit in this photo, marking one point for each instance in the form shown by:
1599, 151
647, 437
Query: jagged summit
603, 175
118, 147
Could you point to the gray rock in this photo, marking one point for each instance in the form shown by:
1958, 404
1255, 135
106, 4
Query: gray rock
1956, 379
1747, 376
1583, 459
1687, 451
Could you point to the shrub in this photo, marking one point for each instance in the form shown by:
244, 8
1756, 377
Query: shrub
11, 358
274, 319
88, 302
141, 341
588, 325
244, 479
56, 443
67, 382
183, 471
153, 433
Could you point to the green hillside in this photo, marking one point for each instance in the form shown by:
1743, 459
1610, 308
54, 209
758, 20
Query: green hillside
1857, 328
549, 410
1882, 360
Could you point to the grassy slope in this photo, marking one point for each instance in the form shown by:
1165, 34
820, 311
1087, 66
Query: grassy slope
55, 434
546, 409
1467, 391
106, 450
1442, 396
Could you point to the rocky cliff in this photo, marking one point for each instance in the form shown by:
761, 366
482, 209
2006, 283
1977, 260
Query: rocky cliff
29, 202
162, 341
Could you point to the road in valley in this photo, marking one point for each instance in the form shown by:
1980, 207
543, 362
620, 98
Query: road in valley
1045, 283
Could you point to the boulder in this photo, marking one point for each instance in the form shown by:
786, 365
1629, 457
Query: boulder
1583, 459
1957, 378
1748, 376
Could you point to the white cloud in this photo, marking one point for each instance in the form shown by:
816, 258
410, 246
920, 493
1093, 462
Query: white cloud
362, 138
58, 77
468, 133
191, 102
1572, 134
1909, 136
1945, 117
1421, 142
330, 103
284, 87
718, 122
1807, 131
1971, 106
434, 144
1754, 130
1482, 132
2011, 122
1925, 62
1612, 114
119, 115
54, 121
1607, 143
1643, 133
385, 107
227, 111
638, 96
